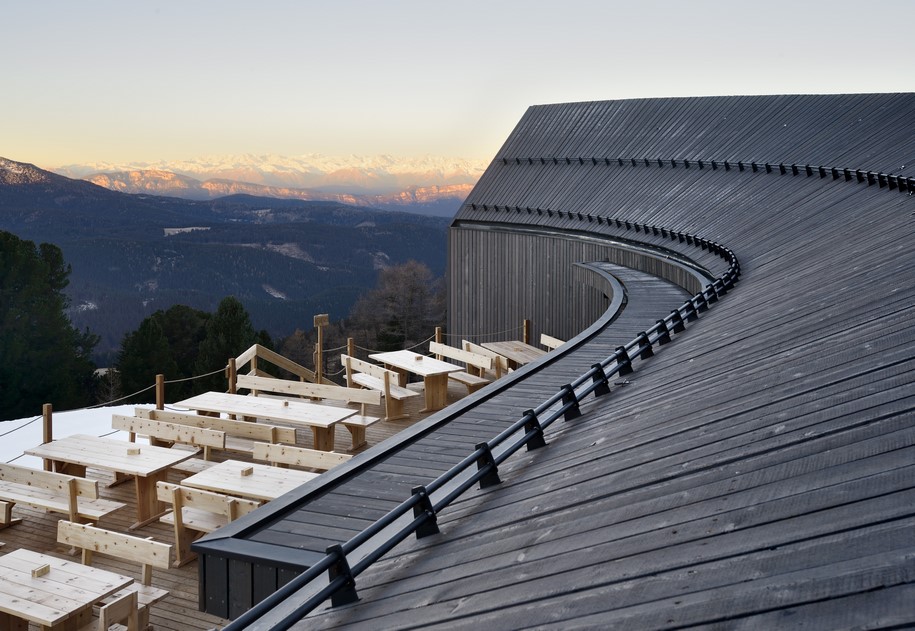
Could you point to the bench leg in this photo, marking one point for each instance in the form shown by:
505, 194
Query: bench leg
358, 434
183, 552
6, 517
394, 409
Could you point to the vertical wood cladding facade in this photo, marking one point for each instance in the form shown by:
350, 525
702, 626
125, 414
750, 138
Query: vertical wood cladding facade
500, 277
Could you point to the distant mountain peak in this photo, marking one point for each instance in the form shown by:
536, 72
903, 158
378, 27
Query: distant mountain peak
12, 172
354, 174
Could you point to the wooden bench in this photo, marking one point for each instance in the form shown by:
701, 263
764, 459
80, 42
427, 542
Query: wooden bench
472, 361
196, 512
164, 434
365, 374
355, 424
77, 498
146, 552
123, 609
550, 342
240, 435
499, 363
298, 456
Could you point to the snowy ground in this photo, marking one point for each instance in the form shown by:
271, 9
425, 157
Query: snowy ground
17, 435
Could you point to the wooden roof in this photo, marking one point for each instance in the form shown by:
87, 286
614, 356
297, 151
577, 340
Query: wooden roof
758, 471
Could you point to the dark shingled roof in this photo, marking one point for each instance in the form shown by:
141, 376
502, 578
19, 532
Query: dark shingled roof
759, 471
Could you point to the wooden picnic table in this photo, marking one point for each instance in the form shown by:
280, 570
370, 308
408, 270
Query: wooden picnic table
433, 371
73, 454
61, 598
516, 352
262, 482
319, 418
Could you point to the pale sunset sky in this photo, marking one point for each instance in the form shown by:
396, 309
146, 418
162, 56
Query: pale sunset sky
118, 81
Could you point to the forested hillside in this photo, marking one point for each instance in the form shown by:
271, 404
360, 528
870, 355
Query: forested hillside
132, 255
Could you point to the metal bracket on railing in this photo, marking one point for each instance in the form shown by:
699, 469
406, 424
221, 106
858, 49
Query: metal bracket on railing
486, 461
570, 402
424, 506
677, 321
663, 333
644, 346
711, 294
623, 361
346, 594
701, 302
602, 386
532, 424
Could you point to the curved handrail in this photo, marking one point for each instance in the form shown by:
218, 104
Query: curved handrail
531, 424
892, 181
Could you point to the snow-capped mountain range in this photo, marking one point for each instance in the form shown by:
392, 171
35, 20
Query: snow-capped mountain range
426, 182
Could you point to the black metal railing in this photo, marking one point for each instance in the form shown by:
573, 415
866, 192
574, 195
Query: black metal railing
882, 180
527, 431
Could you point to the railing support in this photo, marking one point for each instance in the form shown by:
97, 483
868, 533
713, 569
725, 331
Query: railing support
677, 321
644, 346
600, 378
160, 392
570, 402
532, 424
701, 302
340, 569
623, 361
663, 333
424, 506
486, 462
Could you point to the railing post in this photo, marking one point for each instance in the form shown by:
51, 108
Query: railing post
233, 376
526, 335
320, 321
424, 507
438, 335
486, 461
47, 430
691, 314
711, 295
644, 346
663, 333
350, 347
160, 392
532, 424
569, 398
677, 321
347, 594
623, 361
600, 378
701, 302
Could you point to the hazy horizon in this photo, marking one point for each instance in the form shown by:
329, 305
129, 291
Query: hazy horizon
108, 82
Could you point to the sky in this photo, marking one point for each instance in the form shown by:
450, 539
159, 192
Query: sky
120, 81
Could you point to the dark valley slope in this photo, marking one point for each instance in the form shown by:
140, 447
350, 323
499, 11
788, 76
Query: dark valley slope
131, 255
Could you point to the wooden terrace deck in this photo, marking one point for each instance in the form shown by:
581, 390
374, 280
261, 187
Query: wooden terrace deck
178, 611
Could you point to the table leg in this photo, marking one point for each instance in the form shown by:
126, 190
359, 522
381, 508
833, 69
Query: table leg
323, 437
149, 508
436, 391
13, 623
401, 375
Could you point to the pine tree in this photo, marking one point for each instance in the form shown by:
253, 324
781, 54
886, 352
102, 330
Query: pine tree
44, 358
228, 334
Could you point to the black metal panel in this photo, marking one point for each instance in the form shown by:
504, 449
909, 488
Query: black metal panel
241, 587
215, 585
